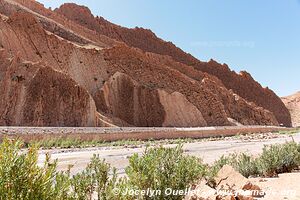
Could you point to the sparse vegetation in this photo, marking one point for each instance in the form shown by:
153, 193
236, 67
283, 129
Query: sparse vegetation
290, 132
275, 159
64, 142
22, 178
83, 141
157, 169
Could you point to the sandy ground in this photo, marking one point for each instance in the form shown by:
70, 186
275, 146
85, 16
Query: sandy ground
286, 186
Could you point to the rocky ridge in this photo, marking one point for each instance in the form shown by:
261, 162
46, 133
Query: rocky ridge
242, 84
102, 80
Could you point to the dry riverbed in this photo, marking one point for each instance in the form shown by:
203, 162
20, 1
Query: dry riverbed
286, 186
209, 150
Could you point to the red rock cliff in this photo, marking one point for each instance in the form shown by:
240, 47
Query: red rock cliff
80, 71
242, 84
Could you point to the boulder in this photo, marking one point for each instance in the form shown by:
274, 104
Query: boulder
228, 179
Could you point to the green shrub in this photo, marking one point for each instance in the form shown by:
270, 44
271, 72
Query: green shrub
280, 158
95, 180
243, 163
161, 168
62, 186
246, 165
157, 169
275, 159
21, 178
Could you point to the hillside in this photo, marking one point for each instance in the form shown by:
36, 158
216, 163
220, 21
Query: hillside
242, 84
82, 70
292, 102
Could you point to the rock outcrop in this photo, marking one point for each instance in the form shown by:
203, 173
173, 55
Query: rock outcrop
144, 106
230, 185
242, 84
292, 102
85, 71
208, 95
245, 86
179, 111
35, 95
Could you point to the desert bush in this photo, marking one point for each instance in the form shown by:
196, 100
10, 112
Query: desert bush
243, 163
62, 186
161, 168
95, 181
280, 158
246, 165
157, 169
275, 159
21, 178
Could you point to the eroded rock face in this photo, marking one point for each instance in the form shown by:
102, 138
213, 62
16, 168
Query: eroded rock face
140, 38
159, 76
241, 84
142, 106
34, 95
209, 96
245, 86
127, 100
292, 102
179, 111
125, 85
237, 108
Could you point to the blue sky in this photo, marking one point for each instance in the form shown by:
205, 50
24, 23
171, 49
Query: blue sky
259, 36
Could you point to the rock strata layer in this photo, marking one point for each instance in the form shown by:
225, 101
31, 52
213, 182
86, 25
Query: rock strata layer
69, 68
